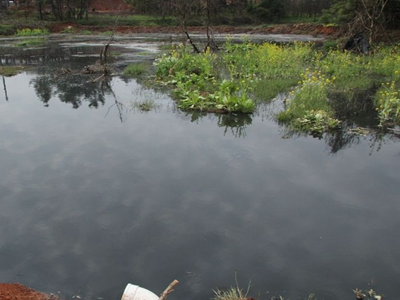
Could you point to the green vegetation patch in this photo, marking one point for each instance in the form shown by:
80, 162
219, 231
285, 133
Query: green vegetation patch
198, 85
134, 70
319, 80
10, 70
307, 106
145, 106
388, 103
32, 32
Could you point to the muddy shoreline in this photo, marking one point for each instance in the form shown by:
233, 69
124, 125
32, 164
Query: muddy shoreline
17, 291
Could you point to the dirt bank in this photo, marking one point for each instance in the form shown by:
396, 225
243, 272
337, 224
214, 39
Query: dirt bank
108, 6
312, 29
16, 291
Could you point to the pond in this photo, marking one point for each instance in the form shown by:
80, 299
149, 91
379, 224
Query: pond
96, 193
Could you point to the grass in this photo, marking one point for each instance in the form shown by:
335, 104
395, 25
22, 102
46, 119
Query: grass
136, 69
229, 294
10, 70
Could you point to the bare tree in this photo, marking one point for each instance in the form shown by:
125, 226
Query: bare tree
370, 17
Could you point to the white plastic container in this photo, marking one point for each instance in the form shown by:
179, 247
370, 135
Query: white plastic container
135, 292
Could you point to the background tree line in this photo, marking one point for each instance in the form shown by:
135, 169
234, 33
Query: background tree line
360, 14
60, 9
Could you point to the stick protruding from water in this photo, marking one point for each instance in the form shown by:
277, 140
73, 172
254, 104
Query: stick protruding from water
169, 290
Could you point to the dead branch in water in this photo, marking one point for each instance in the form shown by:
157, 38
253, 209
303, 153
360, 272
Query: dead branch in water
169, 290
184, 29
104, 51
98, 78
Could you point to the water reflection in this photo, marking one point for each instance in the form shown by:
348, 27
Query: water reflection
234, 124
77, 89
49, 56
344, 138
74, 89
5, 88
87, 208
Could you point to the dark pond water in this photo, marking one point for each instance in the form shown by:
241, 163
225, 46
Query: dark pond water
95, 193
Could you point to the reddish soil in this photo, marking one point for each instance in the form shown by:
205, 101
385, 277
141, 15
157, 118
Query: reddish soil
107, 5
16, 291
312, 29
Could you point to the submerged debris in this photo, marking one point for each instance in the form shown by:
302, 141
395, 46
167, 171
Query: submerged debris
359, 131
370, 294
359, 294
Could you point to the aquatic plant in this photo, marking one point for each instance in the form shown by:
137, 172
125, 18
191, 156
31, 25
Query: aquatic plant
145, 105
197, 87
135, 69
387, 103
229, 294
233, 293
316, 122
311, 94
232, 80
